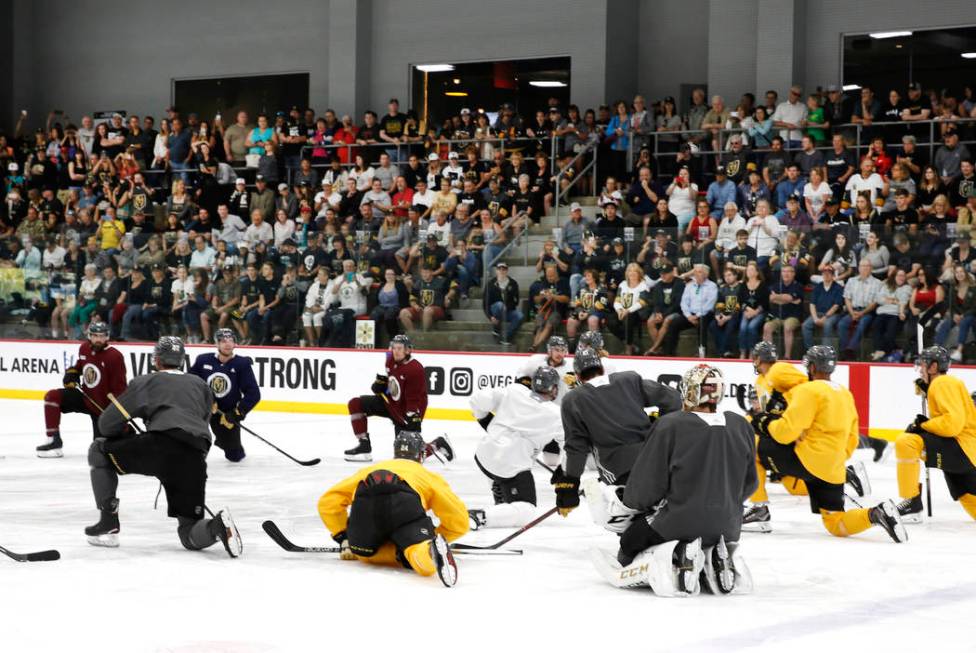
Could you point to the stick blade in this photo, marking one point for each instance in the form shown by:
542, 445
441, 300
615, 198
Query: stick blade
309, 463
43, 556
485, 552
275, 534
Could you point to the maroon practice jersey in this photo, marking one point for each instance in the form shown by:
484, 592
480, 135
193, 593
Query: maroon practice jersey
406, 387
101, 373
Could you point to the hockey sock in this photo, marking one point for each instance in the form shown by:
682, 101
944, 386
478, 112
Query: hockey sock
358, 417
968, 502
195, 534
846, 523
514, 514
52, 411
908, 452
104, 478
418, 555
795, 486
386, 556
760, 495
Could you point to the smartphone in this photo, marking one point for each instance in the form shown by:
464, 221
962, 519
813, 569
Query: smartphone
350, 276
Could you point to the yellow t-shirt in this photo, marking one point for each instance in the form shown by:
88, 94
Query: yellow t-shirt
781, 377
108, 235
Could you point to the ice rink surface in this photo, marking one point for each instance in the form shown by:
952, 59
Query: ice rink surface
812, 590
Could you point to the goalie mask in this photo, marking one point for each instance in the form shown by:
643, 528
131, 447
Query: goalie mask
701, 385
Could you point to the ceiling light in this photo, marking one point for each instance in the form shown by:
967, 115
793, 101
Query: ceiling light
456, 80
435, 68
968, 55
456, 94
851, 87
888, 35
547, 83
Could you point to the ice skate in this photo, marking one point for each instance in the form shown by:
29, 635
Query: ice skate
689, 560
223, 528
857, 478
440, 447
910, 510
476, 519
886, 516
362, 452
756, 519
440, 553
106, 531
51, 448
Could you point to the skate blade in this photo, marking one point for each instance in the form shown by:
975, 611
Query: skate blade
724, 572
757, 527
109, 540
913, 518
358, 458
897, 529
50, 453
688, 569
444, 560
232, 541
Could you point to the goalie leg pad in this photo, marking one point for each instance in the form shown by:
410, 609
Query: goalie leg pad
633, 575
606, 507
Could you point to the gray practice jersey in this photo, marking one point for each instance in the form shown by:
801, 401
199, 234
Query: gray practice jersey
693, 474
168, 401
605, 416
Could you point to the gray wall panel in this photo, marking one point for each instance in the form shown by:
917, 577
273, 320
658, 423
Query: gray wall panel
672, 46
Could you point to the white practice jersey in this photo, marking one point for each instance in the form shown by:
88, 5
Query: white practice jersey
523, 424
535, 361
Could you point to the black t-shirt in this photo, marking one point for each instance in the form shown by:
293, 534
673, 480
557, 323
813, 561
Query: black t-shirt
430, 293
143, 146
114, 150
250, 290
522, 202
159, 293
739, 257
411, 175
808, 161
776, 164
137, 295
433, 258
904, 260
291, 130
474, 201
901, 220
838, 164
560, 287
268, 289
499, 205
393, 125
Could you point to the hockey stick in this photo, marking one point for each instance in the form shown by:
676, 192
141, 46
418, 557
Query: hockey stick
279, 538
920, 334
38, 556
93, 403
305, 463
549, 513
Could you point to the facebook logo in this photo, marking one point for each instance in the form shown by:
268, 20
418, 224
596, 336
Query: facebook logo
462, 381
435, 380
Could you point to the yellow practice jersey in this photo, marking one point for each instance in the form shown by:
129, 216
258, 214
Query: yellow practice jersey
822, 419
952, 414
435, 494
781, 377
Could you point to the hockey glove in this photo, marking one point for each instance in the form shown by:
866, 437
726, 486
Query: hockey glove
345, 553
761, 422
921, 387
525, 380
486, 420
653, 415
569, 379
71, 377
776, 403
411, 421
230, 419
379, 385
567, 491
916, 426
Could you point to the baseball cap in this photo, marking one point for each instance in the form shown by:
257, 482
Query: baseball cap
617, 241
914, 86
452, 155
259, 178
289, 241
668, 98
792, 198
157, 266
833, 88
282, 186
501, 264
720, 170
431, 236
432, 156
575, 206
239, 180
465, 111
12, 167
833, 201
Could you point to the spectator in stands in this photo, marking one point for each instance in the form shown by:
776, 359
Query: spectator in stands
235, 139
697, 309
866, 112
752, 190
791, 251
501, 304
860, 299
790, 185
259, 135
136, 301
284, 314
891, 315
259, 231
785, 309
964, 186
587, 309
728, 313
877, 253
427, 301
608, 227
246, 314
682, 196
110, 230
641, 197
763, 232
867, 183
618, 134
550, 296
826, 306
714, 121
392, 297
86, 303
794, 218
790, 117
909, 155
839, 164
816, 192
664, 306
755, 304
809, 158
960, 310
703, 229
203, 255
178, 151
262, 198
720, 192
110, 294
738, 256
630, 308
841, 257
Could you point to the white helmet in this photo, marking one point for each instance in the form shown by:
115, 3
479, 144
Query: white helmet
702, 384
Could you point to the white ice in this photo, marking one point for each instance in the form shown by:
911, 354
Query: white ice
812, 590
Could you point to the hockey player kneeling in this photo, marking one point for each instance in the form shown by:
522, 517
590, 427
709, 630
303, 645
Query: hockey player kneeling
812, 440
379, 514
175, 408
526, 421
684, 498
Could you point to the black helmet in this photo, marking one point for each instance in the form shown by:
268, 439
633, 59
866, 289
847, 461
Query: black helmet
592, 339
545, 381
555, 342
822, 357
586, 359
98, 329
409, 445
973, 396
763, 352
169, 352
403, 340
225, 334
934, 354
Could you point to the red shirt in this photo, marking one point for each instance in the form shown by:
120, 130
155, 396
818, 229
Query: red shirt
101, 373
405, 195
406, 387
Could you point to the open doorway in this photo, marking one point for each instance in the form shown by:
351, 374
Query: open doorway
442, 90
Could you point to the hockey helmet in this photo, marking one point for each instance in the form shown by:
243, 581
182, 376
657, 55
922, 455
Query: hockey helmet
973, 397
169, 352
556, 342
763, 352
409, 445
545, 381
225, 334
822, 358
403, 340
98, 329
934, 354
586, 360
702, 384
592, 339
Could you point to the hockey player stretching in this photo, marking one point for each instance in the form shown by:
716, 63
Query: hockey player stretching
98, 370
813, 439
555, 357
235, 390
683, 497
945, 439
400, 394
175, 408
526, 420
605, 416
379, 514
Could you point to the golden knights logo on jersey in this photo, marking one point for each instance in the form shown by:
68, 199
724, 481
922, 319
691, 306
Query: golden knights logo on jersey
219, 383
668, 294
684, 264
90, 375
426, 297
627, 300
730, 304
587, 298
139, 202
732, 167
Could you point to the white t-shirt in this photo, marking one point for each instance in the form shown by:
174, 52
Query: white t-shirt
760, 234
858, 184
681, 201
818, 197
53, 259
364, 178
443, 232
791, 112
182, 290
725, 238
424, 199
